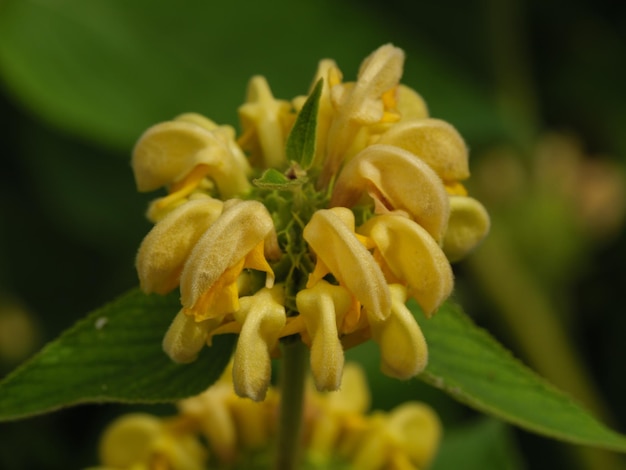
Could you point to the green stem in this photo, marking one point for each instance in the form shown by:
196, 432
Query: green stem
293, 375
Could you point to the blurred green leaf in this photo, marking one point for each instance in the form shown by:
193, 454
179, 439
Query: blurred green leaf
108, 69
484, 444
466, 362
301, 139
114, 354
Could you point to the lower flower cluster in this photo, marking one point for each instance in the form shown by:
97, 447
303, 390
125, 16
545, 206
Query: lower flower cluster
239, 432
323, 234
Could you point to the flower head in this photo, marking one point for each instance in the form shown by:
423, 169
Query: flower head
319, 220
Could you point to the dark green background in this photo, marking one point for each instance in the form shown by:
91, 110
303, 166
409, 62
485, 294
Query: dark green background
81, 80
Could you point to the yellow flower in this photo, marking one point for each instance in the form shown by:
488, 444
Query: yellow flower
336, 425
330, 233
336, 415
468, 225
264, 121
262, 317
361, 103
406, 438
323, 308
412, 257
181, 153
141, 441
238, 239
164, 251
397, 181
342, 237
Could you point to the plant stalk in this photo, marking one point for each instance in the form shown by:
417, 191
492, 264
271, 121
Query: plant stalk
292, 382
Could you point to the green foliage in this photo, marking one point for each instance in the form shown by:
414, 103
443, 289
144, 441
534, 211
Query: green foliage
470, 365
273, 179
112, 355
301, 139
485, 444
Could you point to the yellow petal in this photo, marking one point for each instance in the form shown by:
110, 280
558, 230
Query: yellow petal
354, 395
185, 338
360, 103
468, 225
413, 257
417, 429
167, 246
403, 349
167, 152
225, 134
236, 232
434, 141
262, 317
410, 104
262, 119
211, 412
398, 181
323, 307
349, 261
140, 441
253, 421
129, 440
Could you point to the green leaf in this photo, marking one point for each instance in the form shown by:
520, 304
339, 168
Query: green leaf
486, 443
107, 70
114, 354
274, 179
301, 139
470, 365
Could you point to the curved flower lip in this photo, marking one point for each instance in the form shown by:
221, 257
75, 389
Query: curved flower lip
397, 180
337, 246
323, 307
241, 227
403, 349
468, 226
226, 134
168, 152
360, 103
378, 73
434, 141
164, 251
413, 257
263, 317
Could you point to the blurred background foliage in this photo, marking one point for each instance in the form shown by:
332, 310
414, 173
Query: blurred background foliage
535, 87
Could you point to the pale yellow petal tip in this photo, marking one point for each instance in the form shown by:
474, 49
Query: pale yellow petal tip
185, 338
403, 349
468, 225
323, 307
263, 317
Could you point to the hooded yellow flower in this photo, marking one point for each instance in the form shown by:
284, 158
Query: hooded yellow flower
320, 220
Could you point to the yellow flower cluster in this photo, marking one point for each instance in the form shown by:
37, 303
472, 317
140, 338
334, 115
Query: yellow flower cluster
336, 429
373, 221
